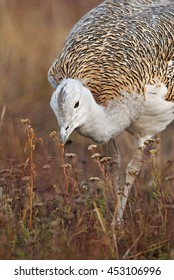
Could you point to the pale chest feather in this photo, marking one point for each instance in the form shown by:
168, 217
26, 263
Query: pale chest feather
156, 114
138, 116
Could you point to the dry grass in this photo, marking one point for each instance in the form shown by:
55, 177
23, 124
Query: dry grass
46, 210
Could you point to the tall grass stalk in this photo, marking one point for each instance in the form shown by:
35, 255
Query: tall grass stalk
30, 145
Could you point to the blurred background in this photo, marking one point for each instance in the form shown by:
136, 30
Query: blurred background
32, 34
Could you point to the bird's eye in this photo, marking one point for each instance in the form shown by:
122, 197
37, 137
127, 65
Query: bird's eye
76, 105
67, 127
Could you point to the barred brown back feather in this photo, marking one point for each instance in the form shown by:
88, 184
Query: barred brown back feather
120, 45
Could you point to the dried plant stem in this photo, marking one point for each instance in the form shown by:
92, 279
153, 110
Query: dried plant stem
99, 217
30, 143
55, 136
31, 183
62, 152
132, 246
115, 242
108, 186
74, 177
158, 193
2, 117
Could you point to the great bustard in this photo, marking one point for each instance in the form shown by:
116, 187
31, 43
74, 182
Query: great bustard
116, 72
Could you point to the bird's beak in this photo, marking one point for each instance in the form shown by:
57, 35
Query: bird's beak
67, 129
64, 134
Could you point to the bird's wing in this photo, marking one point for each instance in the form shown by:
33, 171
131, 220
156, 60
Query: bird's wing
119, 46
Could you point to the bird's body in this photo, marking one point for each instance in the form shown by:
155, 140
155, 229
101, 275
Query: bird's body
116, 72
123, 52
120, 45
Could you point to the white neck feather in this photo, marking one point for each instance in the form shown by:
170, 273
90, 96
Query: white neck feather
102, 123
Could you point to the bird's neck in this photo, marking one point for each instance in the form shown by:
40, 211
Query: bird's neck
105, 122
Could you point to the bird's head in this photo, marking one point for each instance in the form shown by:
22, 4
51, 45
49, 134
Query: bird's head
70, 103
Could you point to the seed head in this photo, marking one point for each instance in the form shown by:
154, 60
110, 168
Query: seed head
105, 159
53, 134
29, 131
158, 140
66, 165
25, 121
46, 167
92, 148
70, 155
95, 156
94, 179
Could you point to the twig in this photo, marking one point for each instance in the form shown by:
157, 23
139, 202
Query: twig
131, 247
2, 117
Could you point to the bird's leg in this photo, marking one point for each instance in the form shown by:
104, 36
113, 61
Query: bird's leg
113, 152
132, 171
